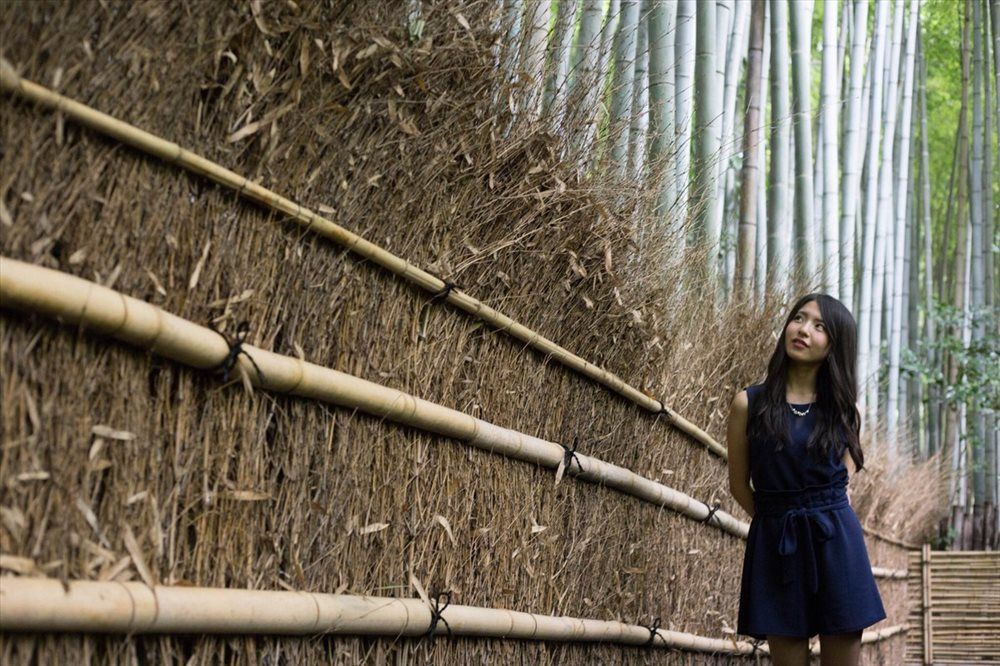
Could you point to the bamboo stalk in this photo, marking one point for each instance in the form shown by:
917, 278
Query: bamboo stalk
76, 301
928, 642
174, 154
44, 605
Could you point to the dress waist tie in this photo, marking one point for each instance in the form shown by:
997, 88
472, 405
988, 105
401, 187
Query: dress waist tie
812, 523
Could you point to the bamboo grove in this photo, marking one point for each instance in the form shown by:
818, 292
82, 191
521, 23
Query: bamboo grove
789, 142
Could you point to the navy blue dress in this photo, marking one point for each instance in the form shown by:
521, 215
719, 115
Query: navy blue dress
806, 569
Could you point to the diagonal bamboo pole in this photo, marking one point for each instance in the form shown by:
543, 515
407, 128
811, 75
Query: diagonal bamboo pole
73, 300
172, 153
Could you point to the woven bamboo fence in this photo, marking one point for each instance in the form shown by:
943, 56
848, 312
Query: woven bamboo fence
954, 607
120, 466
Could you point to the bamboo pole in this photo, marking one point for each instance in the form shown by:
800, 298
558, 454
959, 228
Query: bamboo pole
46, 605
76, 301
925, 588
172, 153
73, 300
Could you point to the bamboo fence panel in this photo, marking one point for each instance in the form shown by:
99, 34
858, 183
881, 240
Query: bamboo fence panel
174, 154
955, 600
74, 300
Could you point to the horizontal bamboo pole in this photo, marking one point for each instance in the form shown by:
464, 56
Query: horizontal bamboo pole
871, 531
883, 572
44, 605
172, 153
78, 301
873, 636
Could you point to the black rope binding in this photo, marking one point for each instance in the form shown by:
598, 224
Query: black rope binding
755, 643
235, 349
665, 411
436, 614
711, 512
448, 287
653, 628
569, 455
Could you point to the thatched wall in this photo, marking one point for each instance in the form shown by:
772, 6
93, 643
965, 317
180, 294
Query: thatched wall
222, 488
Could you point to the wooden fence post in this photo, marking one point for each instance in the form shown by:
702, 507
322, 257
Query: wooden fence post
926, 603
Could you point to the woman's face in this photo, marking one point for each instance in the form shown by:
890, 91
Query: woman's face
806, 339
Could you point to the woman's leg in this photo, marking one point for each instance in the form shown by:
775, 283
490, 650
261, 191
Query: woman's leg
840, 649
788, 651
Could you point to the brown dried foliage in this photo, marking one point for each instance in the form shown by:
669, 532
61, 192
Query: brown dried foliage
328, 104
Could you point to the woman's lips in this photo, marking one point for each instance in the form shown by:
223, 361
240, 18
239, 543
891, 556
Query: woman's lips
799, 344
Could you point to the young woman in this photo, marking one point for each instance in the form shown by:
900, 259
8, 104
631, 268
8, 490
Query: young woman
806, 570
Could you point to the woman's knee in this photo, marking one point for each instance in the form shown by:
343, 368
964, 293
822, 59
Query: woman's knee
840, 649
788, 650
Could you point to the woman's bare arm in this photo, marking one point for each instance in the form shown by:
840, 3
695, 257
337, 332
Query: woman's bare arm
739, 454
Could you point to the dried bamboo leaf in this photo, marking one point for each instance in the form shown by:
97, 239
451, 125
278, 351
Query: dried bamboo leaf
132, 546
447, 527
243, 495
20, 565
193, 282
372, 528
107, 432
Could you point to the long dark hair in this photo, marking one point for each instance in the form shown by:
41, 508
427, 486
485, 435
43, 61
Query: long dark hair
838, 422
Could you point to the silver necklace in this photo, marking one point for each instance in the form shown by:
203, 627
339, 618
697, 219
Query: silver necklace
797, 412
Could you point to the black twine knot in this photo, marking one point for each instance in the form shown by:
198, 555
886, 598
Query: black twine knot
755, 644
711, 512
664, 411
569, 456
436, 613
653, 628
235, 349
448, 287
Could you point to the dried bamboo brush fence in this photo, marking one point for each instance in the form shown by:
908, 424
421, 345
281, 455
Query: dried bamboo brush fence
174, 154
74, 300
954, 607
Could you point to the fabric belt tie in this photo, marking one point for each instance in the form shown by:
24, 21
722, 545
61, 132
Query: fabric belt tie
802, 521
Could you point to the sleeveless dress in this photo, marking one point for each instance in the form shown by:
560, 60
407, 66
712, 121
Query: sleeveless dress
806, 569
